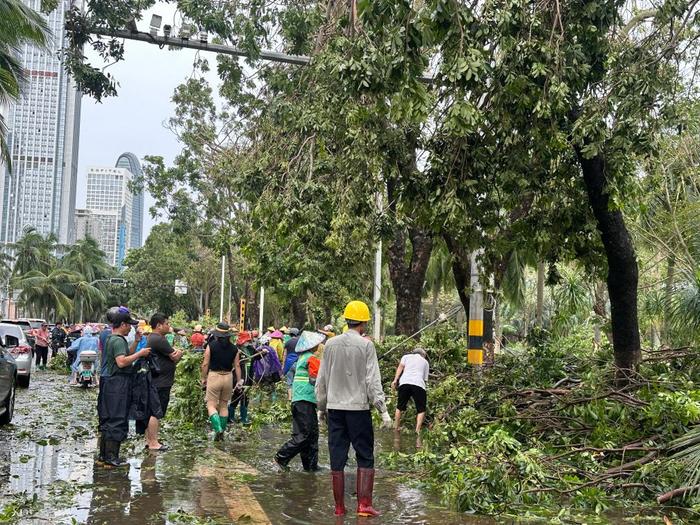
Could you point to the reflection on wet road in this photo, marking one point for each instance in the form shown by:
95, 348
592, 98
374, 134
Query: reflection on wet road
47, 475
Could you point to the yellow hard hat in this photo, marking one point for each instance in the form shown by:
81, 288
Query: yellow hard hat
357, 311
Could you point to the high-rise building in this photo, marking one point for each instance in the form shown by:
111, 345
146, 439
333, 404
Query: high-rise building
43, 138
131, 163
110, 207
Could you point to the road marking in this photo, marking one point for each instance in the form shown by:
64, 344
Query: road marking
240, 500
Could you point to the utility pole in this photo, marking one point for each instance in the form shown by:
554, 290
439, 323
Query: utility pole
262, 309
475, 352
377, 296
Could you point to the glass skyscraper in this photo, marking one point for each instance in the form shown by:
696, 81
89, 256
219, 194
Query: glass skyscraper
131, 162
43, 138
110, 206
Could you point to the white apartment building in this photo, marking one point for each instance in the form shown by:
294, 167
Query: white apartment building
43, 139
109, 206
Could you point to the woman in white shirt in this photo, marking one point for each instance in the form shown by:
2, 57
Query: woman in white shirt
411, 378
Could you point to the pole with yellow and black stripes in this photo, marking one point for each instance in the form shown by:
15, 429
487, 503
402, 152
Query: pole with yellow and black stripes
475, 351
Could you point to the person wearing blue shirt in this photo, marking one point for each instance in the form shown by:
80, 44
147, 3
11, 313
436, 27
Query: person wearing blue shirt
88, 341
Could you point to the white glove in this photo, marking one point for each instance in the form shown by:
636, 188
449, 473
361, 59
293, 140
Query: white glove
386, 420
321, 417
239, 385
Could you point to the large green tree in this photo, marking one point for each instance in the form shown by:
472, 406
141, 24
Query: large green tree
532, 111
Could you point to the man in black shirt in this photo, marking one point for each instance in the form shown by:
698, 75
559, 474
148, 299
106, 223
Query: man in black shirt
58, 339
167, 358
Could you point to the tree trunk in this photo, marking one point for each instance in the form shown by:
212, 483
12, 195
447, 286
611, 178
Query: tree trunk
408, 277
407, 270
539, 314
623, 273
461, 269
298, 312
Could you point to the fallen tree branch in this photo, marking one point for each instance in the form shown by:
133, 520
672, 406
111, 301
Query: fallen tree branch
633, 464
596, 449
681, 491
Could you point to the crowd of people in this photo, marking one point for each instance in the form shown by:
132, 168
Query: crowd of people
331, 380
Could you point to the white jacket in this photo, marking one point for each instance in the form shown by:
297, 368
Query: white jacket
349, 377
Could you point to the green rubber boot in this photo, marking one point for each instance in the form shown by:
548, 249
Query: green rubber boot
215, 423
224, 422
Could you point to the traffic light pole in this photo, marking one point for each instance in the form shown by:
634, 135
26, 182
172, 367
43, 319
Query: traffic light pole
194, 43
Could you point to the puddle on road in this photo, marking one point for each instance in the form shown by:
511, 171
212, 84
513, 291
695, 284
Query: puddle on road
48, 453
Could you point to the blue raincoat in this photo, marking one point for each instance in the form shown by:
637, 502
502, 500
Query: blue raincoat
86, 342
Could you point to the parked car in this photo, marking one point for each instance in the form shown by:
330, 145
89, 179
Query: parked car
17, 344
26, 328
34, 323
8, 382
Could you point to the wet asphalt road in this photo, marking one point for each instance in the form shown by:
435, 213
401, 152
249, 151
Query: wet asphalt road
47, 475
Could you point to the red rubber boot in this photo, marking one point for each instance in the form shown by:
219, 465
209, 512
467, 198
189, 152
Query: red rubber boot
365, 486
338, 478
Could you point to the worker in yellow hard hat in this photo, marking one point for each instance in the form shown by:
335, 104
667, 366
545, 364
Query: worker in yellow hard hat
348, 385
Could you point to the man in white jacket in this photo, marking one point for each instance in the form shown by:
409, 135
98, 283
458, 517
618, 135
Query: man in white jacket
348, 385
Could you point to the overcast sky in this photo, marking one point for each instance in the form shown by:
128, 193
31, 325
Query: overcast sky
134, 120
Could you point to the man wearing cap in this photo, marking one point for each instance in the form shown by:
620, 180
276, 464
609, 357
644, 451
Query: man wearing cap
348, 384
114, 399
304, 439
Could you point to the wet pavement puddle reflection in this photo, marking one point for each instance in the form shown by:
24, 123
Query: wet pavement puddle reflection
47, 475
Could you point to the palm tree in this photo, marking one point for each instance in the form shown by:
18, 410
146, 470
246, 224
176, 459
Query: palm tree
19, 24
34, 251
5, 266
86, 258
86, 298
47, 293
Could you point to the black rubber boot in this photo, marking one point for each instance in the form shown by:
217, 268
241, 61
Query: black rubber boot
101, 448
112, 454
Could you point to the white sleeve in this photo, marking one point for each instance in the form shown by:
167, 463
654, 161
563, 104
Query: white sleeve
322, 383
375, 391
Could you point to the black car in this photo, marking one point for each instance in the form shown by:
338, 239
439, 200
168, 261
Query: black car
8, 381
